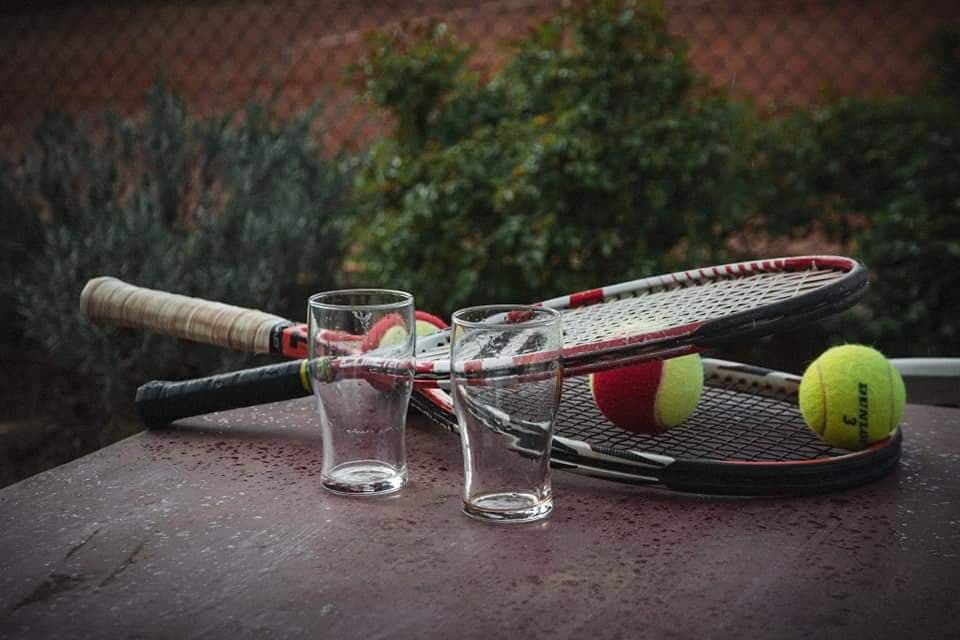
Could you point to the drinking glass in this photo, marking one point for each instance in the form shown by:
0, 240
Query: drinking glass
361, 370
506, 382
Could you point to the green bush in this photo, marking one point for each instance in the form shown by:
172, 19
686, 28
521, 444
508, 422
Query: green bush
594, 155
893, 167
21, 240
240, 209
881, 177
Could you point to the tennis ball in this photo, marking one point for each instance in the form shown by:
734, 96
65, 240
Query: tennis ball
851, 396
649, 397
428, 323
389, 330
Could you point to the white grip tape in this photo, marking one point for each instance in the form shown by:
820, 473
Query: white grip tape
108, 300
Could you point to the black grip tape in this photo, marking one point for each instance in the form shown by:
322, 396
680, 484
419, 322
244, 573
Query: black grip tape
159, 402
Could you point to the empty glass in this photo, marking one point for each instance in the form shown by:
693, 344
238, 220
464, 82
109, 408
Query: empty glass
506, 382
361, 370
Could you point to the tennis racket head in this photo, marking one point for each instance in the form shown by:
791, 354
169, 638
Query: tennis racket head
657, 317
746, 437
671, 315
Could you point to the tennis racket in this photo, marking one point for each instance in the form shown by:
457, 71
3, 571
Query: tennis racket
657, 317
746, 437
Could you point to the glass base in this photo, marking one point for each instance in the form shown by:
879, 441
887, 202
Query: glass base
365, 478
508, 507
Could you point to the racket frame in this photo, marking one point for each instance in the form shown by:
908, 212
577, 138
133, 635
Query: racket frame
252, 330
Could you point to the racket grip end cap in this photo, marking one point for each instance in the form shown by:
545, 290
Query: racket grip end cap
149, 405
88, 296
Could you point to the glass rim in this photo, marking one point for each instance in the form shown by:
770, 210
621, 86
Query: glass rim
404, 298
552, 316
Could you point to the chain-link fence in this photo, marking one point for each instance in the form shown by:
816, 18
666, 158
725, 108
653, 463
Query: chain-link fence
86, 58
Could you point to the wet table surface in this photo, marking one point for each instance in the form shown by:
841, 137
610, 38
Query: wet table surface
219, 528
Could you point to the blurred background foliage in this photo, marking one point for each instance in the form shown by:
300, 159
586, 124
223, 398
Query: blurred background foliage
595, 153
239, 209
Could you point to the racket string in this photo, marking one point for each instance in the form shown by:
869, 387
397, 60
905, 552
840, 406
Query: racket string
730, 424
650, 310
745, 418
766, 430
674, 303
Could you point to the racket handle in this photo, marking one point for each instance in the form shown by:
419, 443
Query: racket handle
108, 300
159, 403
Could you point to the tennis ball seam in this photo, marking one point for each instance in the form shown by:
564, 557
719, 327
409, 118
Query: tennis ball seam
657, 404
658, 401
674, 372
823, 398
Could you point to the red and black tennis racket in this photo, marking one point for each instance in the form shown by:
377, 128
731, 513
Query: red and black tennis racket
657, 317
747, 436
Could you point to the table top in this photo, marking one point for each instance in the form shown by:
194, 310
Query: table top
219, 527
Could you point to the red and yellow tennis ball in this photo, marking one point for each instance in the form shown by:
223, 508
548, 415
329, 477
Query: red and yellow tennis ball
851, 396
428, 323
649, 397
389, 330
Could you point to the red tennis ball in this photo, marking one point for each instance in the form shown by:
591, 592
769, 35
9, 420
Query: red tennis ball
390, 330
649, 397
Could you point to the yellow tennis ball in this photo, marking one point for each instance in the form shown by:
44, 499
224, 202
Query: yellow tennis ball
851, 396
